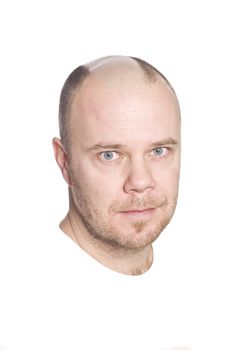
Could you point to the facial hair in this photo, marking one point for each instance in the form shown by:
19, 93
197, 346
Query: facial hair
100, 224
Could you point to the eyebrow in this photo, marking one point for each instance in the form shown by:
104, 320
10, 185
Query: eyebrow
167, 141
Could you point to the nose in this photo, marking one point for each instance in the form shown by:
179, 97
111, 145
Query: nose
139, 178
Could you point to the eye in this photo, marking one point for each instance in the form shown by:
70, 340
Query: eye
108, 155
160, 151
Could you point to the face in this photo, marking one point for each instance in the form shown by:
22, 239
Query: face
125, 158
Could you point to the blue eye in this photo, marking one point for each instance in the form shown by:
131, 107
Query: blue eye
108, 155
159, 151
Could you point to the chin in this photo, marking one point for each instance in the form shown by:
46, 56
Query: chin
137, 240
143, 234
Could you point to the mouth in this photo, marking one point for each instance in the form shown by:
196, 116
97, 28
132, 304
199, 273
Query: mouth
138, 213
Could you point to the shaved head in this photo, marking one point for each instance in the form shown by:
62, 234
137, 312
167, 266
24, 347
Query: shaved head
110, 71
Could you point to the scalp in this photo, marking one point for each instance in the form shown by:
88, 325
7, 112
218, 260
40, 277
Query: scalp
110, 71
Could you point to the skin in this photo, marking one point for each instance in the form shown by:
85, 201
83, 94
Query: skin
123, 165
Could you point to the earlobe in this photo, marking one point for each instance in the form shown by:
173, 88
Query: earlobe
61, 159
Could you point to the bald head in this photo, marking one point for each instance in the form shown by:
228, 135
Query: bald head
109, 71
116, 68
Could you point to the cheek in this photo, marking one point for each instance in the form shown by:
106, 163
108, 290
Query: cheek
100, 186
168, 181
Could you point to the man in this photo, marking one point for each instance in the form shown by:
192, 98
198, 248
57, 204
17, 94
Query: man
120, 156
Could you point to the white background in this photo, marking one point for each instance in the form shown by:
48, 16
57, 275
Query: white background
189, 41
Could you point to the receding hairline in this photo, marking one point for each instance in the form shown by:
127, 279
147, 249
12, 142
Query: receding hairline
112, 62
78, 76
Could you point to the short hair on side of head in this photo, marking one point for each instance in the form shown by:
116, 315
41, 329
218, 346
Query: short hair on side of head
73, 82
151, 72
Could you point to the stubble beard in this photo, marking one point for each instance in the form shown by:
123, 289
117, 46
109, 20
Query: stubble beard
99, 225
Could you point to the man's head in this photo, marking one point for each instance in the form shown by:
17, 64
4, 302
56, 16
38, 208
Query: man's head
120, 150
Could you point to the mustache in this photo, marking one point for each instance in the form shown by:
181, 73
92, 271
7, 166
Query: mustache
136, 203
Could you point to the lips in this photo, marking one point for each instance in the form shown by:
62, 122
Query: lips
138, 212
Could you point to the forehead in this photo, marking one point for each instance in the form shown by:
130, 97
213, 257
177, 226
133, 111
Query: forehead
124, 110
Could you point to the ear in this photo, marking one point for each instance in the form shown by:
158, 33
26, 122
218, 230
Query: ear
61, 159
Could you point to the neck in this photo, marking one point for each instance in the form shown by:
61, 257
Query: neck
117, 258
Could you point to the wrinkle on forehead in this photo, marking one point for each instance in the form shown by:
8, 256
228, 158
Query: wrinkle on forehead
125, 99
130, 106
